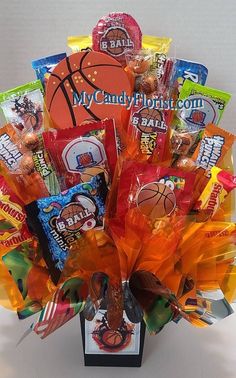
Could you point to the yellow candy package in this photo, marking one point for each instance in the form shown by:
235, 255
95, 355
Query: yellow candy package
219, 186
79, 42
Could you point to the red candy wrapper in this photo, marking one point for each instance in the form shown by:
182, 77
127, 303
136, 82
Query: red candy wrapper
157, 191
82, 152
115, 34
147, 131
11, 207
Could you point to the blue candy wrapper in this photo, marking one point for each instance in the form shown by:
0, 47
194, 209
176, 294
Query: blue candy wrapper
44, 66
58, 221
184, 69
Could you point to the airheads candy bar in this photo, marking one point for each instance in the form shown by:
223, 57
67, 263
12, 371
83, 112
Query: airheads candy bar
115, 34
148, 131
59, 220
44, 66
213, 103
213, 147
11, 207
219, 186
23, 107
80, 153
187, 70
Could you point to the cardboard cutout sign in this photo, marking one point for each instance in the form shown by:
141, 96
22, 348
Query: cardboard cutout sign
86, 86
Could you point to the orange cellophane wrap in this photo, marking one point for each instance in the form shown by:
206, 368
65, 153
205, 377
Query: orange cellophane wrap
96, 252
39, 285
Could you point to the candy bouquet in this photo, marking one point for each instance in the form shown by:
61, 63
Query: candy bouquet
116, 190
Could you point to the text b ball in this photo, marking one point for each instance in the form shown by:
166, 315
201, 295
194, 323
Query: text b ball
156, 200
87, 72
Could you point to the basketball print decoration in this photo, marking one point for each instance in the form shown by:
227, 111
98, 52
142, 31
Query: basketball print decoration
149, 120
78, 76
77, 215
200, 118
115, 34
156, 200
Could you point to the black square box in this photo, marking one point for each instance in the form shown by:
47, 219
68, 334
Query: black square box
125, 346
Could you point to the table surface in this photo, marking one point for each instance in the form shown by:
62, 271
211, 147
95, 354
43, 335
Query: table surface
202, 31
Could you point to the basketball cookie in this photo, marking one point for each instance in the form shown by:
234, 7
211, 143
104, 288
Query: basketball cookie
156, 200
115, 34
83, 74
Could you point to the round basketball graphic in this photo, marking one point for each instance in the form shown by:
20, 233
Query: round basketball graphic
149, 120
156, 200
77, 215
112, 339
83, 74
115, 34
116, 41
200, 117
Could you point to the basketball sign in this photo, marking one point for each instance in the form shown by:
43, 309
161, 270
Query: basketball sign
80, 77
83, 153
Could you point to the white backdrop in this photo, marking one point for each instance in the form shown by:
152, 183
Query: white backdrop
203, 31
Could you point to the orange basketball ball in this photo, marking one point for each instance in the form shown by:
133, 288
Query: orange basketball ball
112, 338
156, 200
86, 73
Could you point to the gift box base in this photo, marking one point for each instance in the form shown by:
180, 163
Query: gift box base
113, 359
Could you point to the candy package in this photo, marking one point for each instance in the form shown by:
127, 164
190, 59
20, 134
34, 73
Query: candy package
11, 149
79, 42
220, 184
212, 104
11, 207
80, 153
116, 33
23, 107
59, 220
156, 191
44, 66
214, 145
147, 130
186, 70
11, 237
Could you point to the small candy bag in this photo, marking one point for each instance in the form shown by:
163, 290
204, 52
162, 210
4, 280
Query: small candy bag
160, 68
23, 107
115, 34
81, 153
212, 149
11, 149
156, 191
11, 207
186, 70
217, 189
213, 103
79, 42
45, 169
44, 66
60, 220
11, 237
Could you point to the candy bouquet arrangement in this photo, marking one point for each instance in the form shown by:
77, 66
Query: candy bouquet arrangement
116, 190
